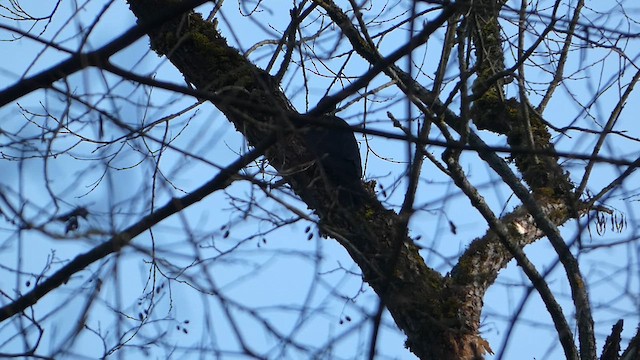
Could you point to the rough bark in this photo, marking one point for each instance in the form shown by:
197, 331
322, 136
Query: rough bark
439, 314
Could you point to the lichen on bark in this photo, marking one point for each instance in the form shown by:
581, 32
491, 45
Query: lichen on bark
491, 111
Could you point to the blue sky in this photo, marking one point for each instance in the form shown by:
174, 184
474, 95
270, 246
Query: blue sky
304, 288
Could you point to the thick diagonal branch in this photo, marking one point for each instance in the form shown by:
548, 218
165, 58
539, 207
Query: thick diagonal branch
256, 106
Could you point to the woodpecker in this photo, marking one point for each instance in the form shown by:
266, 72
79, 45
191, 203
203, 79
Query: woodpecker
333, 143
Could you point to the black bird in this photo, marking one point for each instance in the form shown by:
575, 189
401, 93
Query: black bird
332, 141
